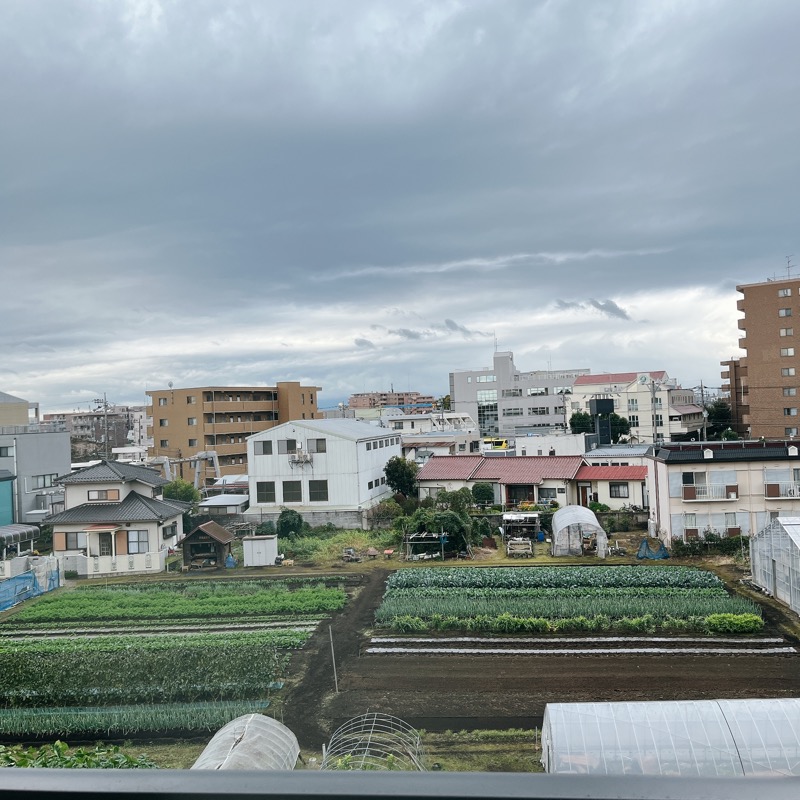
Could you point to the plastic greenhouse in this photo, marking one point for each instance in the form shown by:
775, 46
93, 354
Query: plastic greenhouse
775, 560
687, 738
253, 741
572, 525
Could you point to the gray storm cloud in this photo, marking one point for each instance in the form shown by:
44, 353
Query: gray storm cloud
274, 176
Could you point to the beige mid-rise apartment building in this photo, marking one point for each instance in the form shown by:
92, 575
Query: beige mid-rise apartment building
184, 422
764, 385
410, 402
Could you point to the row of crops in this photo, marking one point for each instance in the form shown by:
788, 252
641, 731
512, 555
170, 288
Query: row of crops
565, 599
137, 663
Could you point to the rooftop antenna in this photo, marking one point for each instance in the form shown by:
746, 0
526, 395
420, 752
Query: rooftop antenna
494, 336
789, 266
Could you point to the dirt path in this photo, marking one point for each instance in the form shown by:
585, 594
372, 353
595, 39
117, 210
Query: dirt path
303, 704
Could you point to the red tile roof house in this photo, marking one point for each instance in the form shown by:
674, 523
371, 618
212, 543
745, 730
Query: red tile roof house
530, 479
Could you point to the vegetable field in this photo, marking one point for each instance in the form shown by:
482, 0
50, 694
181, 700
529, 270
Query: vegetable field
565, 599
182, 656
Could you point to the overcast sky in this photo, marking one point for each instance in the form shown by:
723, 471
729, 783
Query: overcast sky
359, 194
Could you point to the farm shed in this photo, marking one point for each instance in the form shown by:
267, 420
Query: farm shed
253, 741
715, 738
775, 560
206, 546
574, 529
260, 551
225, 505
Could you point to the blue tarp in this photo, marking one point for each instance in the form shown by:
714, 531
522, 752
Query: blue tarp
26, 585
652, 548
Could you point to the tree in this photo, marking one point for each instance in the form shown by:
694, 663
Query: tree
180, 489
483, 494
184, 491
443, 403
384, 513
583, 422
290, 523
719, 418
401, 475
459, 500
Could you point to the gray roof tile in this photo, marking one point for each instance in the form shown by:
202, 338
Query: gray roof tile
114, 472
134, 508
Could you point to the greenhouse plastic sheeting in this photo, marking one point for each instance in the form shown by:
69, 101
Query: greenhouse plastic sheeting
775, 560
688, 738
570, 525
253, 741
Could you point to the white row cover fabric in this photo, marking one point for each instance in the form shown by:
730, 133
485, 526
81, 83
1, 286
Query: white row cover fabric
775, 560
253, 741
687, 738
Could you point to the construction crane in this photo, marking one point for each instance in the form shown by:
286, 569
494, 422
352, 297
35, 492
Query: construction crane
209, 456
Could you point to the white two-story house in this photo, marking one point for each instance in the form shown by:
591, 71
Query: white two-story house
328, 470
115, 521
726, 488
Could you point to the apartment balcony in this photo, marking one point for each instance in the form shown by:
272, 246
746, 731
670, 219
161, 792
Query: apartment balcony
221, 428
741, 324
726, 387
239, 406
782, 490
237, 449
743, 342
710, 491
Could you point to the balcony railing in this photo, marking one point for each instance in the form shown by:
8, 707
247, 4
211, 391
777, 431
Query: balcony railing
710, 491
100, 784
782, 489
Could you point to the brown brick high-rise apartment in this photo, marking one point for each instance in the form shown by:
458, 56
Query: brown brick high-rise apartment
764, 385
183, 422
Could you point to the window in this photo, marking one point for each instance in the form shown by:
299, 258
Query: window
6, 452
486, 379
787, 331
784, 312
287, 446
789, 391
71, 540
512, 412
537, 391
633, 404
790, 412
658, 420
317, 491
787, 351
790, 431
163, 442
192, 442
137, 542
787, 372
44, 481
265, 491
633, 420
162, 401
191, 399
168, 531
398, 426
657, 402
690, 520
512, 393
191, 421
546, 494
784, 292
163, 423
317, 445
538, 410
104, 494
370, 484
486, 395
292, 492
618, 489
263, 448
730, 519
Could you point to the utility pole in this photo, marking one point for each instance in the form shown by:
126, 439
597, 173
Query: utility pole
103, 403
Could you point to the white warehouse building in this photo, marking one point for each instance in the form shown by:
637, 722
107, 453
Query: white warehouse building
328, 470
